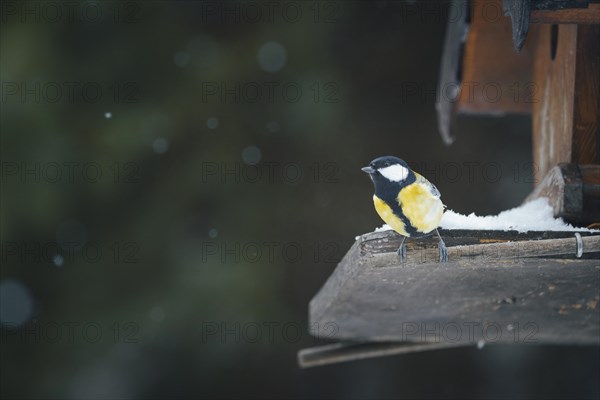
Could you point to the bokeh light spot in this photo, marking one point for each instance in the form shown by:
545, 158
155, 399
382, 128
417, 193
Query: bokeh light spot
212, 123
157, 314
272, 57
16, 303
182, 59
58, 260
160, 145
251, 155
273, 126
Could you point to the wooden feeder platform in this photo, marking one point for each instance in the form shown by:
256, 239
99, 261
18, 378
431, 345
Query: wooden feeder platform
498, 287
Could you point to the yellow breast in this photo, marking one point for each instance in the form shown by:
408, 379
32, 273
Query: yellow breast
388, 216
421, 207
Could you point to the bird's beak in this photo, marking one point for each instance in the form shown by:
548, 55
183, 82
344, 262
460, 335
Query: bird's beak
368, 170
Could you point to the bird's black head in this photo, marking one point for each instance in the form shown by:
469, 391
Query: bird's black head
389, 174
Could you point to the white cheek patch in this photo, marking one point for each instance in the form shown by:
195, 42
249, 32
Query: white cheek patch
394, 173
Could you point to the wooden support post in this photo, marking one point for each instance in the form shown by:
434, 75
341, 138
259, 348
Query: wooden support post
566, 123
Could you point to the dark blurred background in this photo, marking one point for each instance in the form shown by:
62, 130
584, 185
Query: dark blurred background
180, 178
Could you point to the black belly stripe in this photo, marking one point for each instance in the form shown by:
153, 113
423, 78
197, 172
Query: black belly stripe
389, 194
408, 226
397, 210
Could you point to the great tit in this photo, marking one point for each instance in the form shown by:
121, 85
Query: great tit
406, 201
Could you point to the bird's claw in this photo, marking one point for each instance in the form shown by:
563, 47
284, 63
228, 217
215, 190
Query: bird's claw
402, 253
443, 251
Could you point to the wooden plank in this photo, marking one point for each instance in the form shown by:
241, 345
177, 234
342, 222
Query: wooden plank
343, 352
553, 114
590, 15
566, 117
449, 76
388, 241
372, 297
495, 78
499, 251
586, 110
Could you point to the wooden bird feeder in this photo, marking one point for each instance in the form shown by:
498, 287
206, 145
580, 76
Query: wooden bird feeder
499, 287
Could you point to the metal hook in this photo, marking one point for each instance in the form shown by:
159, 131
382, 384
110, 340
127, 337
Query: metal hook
579, 245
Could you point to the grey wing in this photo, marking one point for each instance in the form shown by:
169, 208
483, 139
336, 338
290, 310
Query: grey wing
434, 191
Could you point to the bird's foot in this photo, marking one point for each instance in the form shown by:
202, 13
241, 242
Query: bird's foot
443, 251
402, 253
